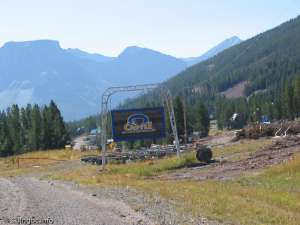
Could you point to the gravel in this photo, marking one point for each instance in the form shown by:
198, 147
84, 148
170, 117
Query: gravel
73, 204
151, 206
27, 197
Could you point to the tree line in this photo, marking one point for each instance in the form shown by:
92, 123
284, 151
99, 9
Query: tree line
282, 103
83, 126
199, 108
31, 128
196, 117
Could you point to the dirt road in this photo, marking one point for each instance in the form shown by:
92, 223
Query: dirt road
27, 197
79, 142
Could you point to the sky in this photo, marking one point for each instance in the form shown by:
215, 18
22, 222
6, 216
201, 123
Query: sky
182, 28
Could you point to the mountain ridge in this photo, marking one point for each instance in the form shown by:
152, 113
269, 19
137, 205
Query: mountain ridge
265, 60
264, 63
227, 43
41, 70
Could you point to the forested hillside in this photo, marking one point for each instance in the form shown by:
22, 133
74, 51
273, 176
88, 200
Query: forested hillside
31, 128
265, 60
268, 64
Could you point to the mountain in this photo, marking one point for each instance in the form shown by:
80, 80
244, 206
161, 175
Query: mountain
38, 71
137, 65
214, 51
264, 62
255, 69
90, 56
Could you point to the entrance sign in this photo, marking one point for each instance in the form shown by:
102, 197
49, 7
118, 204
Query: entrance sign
138, 124
166, 98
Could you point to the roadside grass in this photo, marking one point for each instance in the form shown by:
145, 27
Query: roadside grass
284, 177
9, 165
270, 197
122, 174
151, 168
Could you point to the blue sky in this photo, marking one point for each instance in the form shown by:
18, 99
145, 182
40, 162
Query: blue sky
180, 28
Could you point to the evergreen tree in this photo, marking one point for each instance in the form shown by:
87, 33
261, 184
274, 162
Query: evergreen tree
58, 131
14, 125
31, 128
35, 130
202, 119
297, 96
179, 116
288, 101
6, 144
25, 122
277, 106
46, 128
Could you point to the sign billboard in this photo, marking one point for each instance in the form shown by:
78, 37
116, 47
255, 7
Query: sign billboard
136, 124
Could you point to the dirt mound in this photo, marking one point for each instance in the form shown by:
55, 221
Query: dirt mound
236, 91
280, 128
280, 151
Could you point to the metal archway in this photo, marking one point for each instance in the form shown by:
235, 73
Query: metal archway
106, 96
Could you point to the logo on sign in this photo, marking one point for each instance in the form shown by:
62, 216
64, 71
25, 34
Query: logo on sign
138, 123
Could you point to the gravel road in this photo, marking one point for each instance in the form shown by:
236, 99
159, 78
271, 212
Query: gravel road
27, 197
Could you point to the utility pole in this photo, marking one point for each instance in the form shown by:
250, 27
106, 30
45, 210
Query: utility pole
184, 118
184, 114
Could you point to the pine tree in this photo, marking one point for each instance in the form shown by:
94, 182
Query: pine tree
46, 129
31, 128
297, 96
202, 119
179, 116
288, 101
59, 134
6, 144
35, 130
14, 124
25, 121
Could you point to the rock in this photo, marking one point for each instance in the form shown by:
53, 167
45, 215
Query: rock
139, 221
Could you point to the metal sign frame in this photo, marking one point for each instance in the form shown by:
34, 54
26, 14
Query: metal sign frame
109, 92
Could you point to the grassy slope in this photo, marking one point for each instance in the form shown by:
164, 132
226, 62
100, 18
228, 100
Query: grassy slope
43, 159
270, 197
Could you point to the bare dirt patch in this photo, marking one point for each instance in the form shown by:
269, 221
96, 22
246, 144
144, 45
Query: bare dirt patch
281, 150
218, 140
236, 91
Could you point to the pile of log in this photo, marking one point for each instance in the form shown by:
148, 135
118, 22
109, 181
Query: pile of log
276, 129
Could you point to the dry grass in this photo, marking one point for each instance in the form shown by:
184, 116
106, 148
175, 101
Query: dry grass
122, 174
40, 159
151, 168
217, 132
241, 150
271, 197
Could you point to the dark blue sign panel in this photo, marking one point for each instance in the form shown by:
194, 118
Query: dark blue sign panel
138, 124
